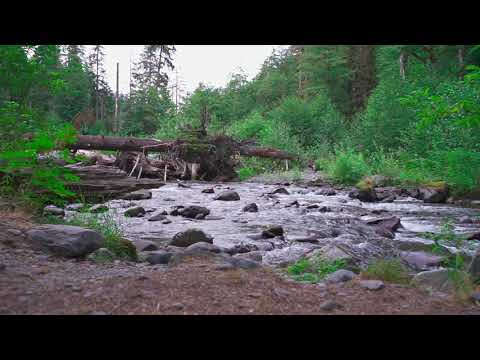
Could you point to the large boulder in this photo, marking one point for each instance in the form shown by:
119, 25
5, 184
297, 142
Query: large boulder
434, 279
364, 195
419, 260
193, 212
339, 276
189, 237
138, 195
144, 245
136, 211
64, 240
251, 208
286, 256
272, 231
228, 196
434, 193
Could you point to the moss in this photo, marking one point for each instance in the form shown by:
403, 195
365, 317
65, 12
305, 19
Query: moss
437, 185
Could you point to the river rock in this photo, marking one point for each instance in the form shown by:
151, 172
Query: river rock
137, 211
465, 220
341, 275
228, 196
438, 194
74, 207
157, 217
286, 256
474, 236
272, 232
326, 192
241, 248
367, 195
435, 279
373, 285
208, 191
420, 260
144, 245
392, 223
53, 210
138, 195
189, 237
102, 253
282, 191
413, 245
252, 255
99, 208
193, 212
203, 247
158, 257
251, 208
64, 240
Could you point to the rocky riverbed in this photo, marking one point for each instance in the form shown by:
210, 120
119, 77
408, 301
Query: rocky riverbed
315, 220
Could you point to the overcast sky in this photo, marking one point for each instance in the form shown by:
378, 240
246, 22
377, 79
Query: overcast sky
210, 64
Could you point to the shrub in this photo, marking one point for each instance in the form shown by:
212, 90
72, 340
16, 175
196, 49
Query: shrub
348, 167
314, 270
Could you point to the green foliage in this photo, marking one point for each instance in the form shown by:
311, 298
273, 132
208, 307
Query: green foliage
389, 270
347, 167
245, 173
313, 270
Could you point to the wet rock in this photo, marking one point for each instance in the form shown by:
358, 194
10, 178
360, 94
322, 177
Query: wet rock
242, 248
144, 245
166, 222
177, 211
208, 191
157, 217
137, 211
373, 285
158, 257
389, 199
138, 195
189, 237
329, 305
253, 255
294, 203
325, 209
272, 232
64, 240
251, 208
193, 212
420, 260
474, 236
435, 279
340, 276
434, 194
99, 208
74, 207
169, 199
200, 217
182, 185
282, 191
209, 217
465, 220
53, 210
228, 196
392, 224
203, 247
313, 206
2, 267
364, 195
326, 192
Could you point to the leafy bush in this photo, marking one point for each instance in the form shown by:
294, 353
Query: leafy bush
27, 172
348, 167
245, 173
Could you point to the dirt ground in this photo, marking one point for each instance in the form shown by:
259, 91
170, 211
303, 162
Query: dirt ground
36, 283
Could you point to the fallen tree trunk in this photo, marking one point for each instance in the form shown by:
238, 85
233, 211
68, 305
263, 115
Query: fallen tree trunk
89, 142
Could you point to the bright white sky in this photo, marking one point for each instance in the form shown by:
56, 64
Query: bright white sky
210, 64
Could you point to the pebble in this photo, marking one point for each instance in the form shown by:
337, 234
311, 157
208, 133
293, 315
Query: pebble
372, 285
329, 305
